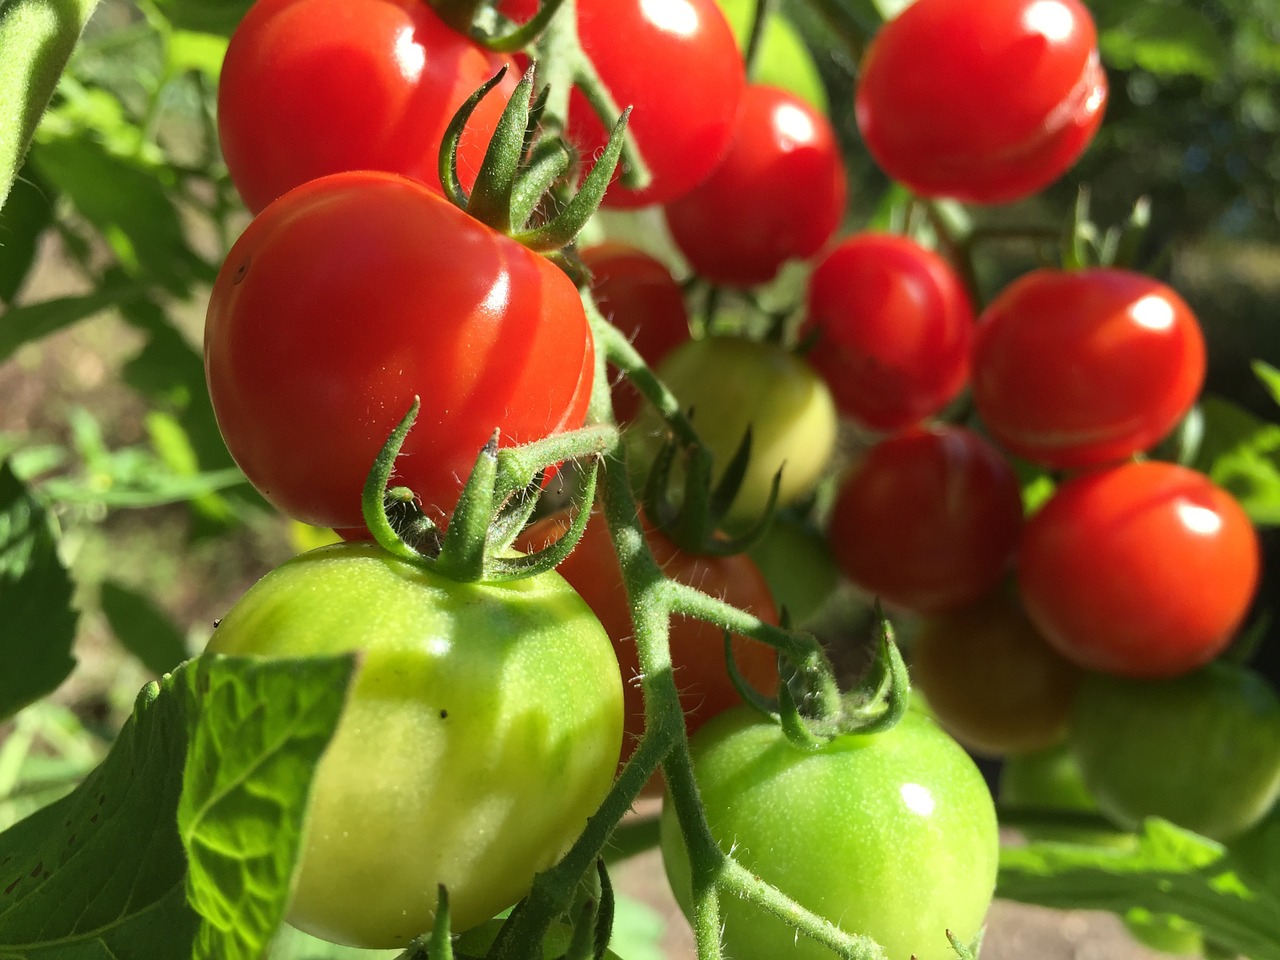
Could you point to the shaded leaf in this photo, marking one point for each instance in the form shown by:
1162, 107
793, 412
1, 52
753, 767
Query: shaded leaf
1167, 40
144, 629
1241, 453
26, 324
25, 215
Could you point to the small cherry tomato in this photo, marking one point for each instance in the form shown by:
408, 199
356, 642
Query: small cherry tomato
991, 680
1143, 570
1088, 367
985, 102
894, 326
311, 87
746, 219
332, 312
892, 835
1201, 750
697, 647
928, 520
640, 297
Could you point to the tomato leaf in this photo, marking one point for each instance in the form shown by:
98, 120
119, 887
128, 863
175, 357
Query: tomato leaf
1241, 453
1270, 378
1168, 871
28, 323
143, 628
39, 623
103, 871
27, 212
1166, 40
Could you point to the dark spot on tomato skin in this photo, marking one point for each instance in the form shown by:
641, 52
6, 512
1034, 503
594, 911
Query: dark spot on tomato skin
242, 271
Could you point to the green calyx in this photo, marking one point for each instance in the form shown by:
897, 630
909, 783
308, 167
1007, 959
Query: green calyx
521, 167
497, 501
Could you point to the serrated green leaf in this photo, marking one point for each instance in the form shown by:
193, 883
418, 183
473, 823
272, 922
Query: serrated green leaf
1167, 40
1241, 454
214, 765
37, 37
26, 324
26, 214
1169, 871
255, 742
143, 628
37, 621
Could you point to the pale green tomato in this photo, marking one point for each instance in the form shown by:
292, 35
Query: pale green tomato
891, 835
483, 729
731, 383
785, 60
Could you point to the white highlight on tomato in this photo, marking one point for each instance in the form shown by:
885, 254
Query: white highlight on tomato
1198, 519
1153, 312
1049, 18
410, 55
795, 125
673, 16
917, 798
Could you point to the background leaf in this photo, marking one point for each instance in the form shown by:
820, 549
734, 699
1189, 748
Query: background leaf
37, 621
143, 628
1241, 453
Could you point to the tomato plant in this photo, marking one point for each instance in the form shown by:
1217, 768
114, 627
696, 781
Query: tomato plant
892, 835
778, 141
731, 384
1201, 750
1050, 781
1144, 570
427, 731
312, 87
894, 326
331, 313
640, 297
1130, 361
927, 520
675, 62
1013, 93
697, 647
991, 680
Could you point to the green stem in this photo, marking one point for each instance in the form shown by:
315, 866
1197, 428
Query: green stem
764, 9
959, 250
855, 31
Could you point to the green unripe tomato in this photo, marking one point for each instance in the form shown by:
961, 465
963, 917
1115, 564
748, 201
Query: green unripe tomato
797, 563
891, 835
731, 383
1051, 780
483, 727
1201, 750
784, 59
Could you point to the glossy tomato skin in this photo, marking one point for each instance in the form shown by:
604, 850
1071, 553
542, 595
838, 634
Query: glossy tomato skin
746, 218
732, 383
1013, 93
677, 64
928, 520
1201, 750
697, 647
1141, 570
482, 730
891, 835
1088, 367
991, 680
638, 294
333, 311
312, 87
894, 325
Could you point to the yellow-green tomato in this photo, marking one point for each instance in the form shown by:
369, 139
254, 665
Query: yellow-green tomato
784, 60
732, 383
890, 835
483, 727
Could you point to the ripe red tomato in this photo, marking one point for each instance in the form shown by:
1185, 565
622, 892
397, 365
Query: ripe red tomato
640, 297
1142, 570
311, 87
928, 520
985, 102
697, 647
894, 324
991, 680
740, 224
354, 293
1088, 367
677, 64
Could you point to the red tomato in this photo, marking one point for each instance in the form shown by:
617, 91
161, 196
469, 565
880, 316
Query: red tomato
311, 87
928, 520
354, 293
985, 102
894, 324
747, 218
1087, 367
640, 297
1141, 570
697, 647
676, 62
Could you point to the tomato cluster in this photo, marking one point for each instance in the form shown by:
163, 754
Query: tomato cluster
880, 433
